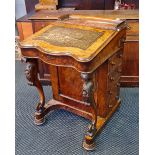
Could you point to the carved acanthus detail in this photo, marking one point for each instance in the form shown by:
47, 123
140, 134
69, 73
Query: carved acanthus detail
31, 73
88, 98
87, 91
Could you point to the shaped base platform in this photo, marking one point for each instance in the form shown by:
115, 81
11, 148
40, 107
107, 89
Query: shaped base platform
89, 141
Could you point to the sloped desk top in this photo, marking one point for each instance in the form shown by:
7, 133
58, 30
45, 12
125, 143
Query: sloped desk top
80, 42
71, 45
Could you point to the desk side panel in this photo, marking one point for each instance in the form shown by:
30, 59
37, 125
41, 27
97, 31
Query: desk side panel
130, 73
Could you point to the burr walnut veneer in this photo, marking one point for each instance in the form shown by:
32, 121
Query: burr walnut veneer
85, 65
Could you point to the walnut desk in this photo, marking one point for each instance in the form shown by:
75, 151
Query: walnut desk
85, 67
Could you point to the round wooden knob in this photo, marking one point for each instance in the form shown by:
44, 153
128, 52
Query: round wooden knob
120, 55
110, 92
112, 78
110, 105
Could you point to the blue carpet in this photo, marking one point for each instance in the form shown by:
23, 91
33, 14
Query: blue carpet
63, 132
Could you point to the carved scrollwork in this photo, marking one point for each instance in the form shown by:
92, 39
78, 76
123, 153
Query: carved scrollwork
87, 91
31, 73
88, 98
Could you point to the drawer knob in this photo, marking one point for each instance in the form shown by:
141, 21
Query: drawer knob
112, 78
110, 105
121, 42
110, 92
128, 27
120, 55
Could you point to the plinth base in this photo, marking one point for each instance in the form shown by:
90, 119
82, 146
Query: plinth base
89, 142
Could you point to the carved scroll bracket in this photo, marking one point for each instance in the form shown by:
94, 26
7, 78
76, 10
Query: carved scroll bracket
31, 73
88, 98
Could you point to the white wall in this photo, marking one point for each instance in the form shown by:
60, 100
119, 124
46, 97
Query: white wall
20, 9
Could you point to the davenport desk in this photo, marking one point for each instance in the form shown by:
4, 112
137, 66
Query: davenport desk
85, 67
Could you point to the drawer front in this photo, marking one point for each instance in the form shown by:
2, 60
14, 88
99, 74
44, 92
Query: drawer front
113, 90
114, 77
113, 96
133, 27
114, 73
115, 61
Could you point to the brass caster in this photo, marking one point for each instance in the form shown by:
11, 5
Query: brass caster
88, 147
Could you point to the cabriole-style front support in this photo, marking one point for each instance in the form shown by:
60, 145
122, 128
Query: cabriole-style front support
31, 73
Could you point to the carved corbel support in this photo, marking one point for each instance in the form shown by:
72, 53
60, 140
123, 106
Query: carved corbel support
88, 98
31, 73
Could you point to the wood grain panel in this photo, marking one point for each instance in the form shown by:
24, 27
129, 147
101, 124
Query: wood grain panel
130, 59
28, 29
70, 78
133, 27
101, 73
54, 81
20, 31
25, 29
130, 71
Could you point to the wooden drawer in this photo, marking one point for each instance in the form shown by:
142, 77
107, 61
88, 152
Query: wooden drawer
113, 96
112, 101
133, 27
115, 61
113, 80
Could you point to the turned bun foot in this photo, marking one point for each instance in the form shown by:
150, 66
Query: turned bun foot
38, 120
88, 147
